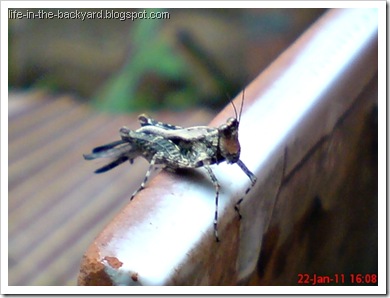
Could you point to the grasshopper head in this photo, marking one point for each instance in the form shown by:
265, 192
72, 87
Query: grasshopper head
229, 145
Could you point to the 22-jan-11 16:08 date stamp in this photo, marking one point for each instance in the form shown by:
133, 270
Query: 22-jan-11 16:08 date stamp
357, 279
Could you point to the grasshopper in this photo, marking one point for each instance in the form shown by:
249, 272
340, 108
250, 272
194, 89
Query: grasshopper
172, 147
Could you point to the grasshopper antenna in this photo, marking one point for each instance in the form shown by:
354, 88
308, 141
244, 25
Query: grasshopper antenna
238, 115
232, 103
242, 105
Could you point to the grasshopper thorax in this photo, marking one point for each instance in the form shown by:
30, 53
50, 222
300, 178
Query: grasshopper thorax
229, 145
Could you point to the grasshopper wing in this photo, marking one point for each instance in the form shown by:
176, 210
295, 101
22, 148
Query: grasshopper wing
119, 151
189, 134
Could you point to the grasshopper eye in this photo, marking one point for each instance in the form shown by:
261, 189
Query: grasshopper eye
230, 128
232, 123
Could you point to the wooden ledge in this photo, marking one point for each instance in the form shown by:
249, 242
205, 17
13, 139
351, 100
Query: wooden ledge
165, 235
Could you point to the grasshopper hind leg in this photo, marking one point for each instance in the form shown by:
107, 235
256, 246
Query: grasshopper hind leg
147, 175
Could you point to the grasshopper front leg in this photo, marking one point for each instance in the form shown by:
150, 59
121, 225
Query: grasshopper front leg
253, 179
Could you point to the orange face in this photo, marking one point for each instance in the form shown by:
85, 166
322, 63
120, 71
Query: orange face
228, 141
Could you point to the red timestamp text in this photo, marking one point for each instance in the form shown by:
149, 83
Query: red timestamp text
337, 278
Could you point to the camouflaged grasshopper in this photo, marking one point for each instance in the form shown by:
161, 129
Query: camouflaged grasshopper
173, 147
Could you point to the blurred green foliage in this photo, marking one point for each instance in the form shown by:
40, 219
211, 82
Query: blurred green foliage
194, 58
152, 57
